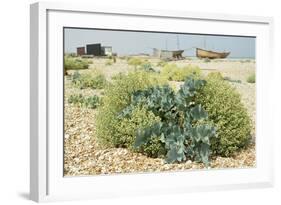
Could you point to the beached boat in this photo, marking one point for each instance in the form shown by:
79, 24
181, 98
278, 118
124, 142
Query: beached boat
177, 53
168, 54
201, 53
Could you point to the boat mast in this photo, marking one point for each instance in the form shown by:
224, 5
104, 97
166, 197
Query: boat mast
178, 42
204, 42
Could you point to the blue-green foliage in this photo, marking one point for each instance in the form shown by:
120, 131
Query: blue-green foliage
182, 129
147, 67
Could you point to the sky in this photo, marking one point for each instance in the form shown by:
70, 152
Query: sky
132, 42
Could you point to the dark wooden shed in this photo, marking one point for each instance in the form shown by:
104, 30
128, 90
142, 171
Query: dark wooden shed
94, 49
81, 51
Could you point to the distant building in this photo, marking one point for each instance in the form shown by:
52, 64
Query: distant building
106, 50
81, 51
98, 50
94, 49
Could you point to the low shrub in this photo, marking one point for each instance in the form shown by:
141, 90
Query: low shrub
215, 75
117, 76
122, 57
117, 97
206, 60
141, 115
135, 61
181, 131
87, 56
251, 78
108, 62
226, 111
81, 101
141, 112
126, 130
114, 59
162, 63
173, 72
71, 63
154, 147
146, 66
231, 80
70, 55
89, 80
246, 61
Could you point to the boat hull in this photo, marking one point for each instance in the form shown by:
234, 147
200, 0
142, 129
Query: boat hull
201, 53
168, 54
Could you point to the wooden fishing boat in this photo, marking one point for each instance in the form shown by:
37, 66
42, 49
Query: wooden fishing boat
177, 53
201, 53
168, 54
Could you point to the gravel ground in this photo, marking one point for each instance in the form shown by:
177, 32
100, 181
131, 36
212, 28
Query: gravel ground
84, 156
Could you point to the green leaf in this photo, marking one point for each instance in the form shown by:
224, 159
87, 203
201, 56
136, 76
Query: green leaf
198, 113
204, 153
143, 135
162, 138
175, 154
172, 155
141, 138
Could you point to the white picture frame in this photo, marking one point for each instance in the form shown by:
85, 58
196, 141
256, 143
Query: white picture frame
46, 157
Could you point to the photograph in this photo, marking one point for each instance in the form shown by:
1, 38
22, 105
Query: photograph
149, 101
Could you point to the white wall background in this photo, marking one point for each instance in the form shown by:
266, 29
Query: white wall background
14, 101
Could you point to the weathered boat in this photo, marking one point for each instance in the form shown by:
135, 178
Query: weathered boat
177, 53
201, 53
168, 54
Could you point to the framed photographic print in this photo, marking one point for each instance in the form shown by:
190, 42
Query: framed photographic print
127, 102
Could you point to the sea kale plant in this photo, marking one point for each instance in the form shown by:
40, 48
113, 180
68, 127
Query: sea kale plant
182, 128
